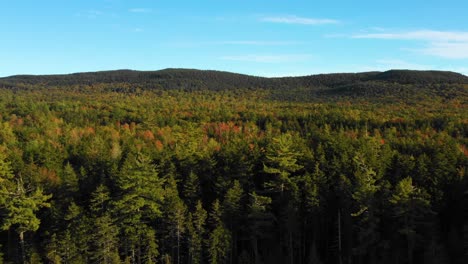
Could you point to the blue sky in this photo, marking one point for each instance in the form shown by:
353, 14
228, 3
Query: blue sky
266, 38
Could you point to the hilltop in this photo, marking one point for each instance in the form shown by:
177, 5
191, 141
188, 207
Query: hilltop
399, 83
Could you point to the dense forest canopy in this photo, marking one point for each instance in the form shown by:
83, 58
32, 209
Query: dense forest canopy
188, 166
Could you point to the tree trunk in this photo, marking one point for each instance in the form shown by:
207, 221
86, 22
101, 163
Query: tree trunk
23, 253
339, 237
178, 245
291, 249
255, 249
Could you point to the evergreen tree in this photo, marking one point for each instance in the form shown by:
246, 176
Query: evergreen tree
76, 241
174, 217
261, 222
364, 194
410, 206
105, 232
232, 212
219, 238
191, 189
196, 228
282, 162
141, 196
105, 241
20, 202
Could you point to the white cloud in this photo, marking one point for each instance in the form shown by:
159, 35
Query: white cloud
444, 44
140, 10
268, 58
299, 20
449, 50
427, 35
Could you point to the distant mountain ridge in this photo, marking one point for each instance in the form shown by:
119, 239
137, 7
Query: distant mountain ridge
133, 76
400, 83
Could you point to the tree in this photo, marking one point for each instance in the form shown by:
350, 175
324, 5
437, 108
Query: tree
282, 157
311, 185
20, 202
410, 205
69, 186
196, 229
261, 221
364, 193
219, 238
191, 190
232, 213
104, 237
105, 241
76, 240
174, 216
140, 197
282, 162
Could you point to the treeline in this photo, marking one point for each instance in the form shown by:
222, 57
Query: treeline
196, 80
92, 175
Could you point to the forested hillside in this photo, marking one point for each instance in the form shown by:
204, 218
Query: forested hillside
187, 166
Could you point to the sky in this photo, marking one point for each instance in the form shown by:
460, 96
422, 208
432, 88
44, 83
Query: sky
257, 37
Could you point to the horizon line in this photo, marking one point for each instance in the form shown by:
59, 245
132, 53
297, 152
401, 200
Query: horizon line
225, 71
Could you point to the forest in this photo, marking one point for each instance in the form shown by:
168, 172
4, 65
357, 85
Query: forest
187, 166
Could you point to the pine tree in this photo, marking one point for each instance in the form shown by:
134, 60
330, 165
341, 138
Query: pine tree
140, 197
105, 241
410, 204
260, 221
196, 229
311, 201
364, 194
232, 212
191, 189
69, 185
282, 162
105, 232
20, 202
53, 250
76, 240
150, 250
219, 238
282, 157
174, 217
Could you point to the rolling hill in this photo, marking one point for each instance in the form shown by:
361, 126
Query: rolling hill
399, 83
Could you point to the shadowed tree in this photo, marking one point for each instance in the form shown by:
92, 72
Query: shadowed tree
196, 229
141, 195
219, 239
20, 202
410, 206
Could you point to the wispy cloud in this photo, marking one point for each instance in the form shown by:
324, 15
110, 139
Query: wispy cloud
140, 10
447, 50
427, 35
268, 58
298, 20
90, 14
254, 42
445, 44
236, 43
